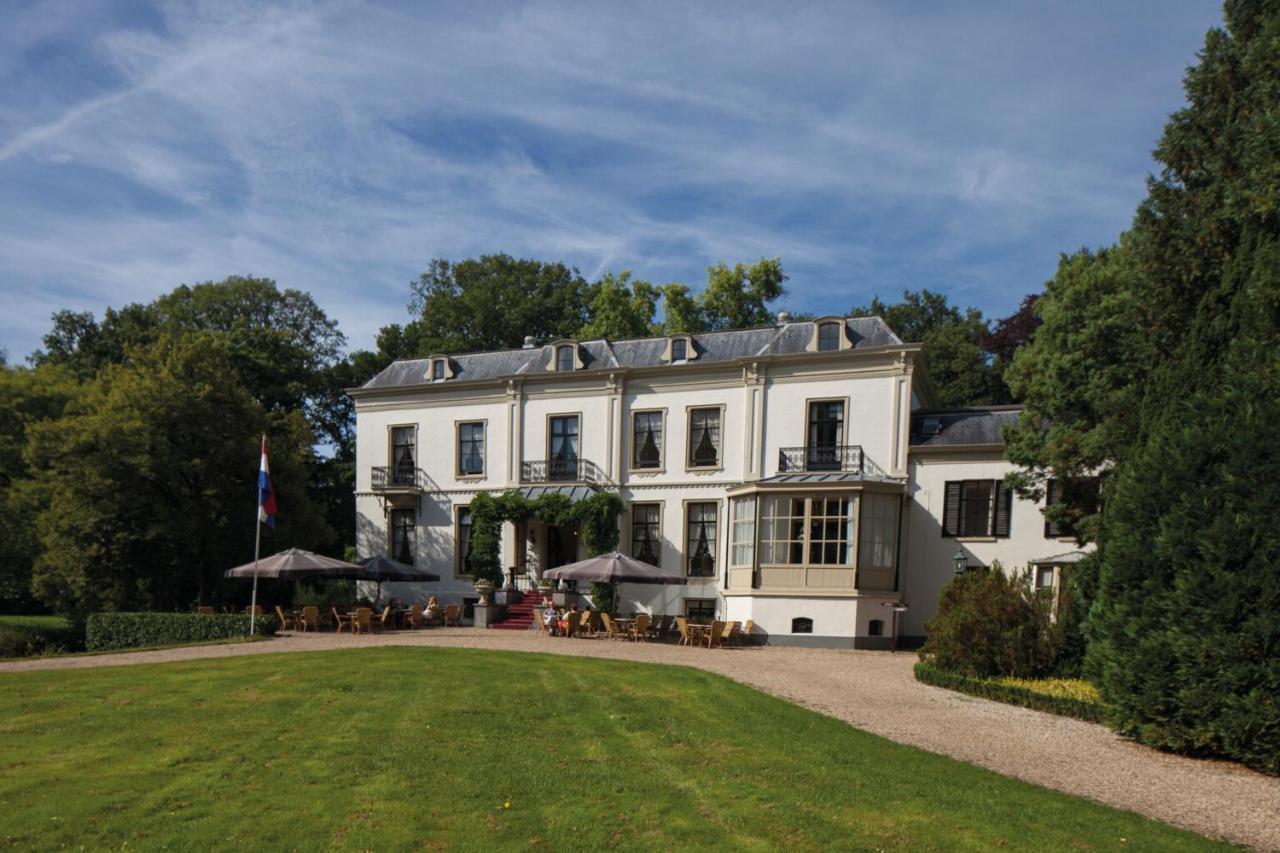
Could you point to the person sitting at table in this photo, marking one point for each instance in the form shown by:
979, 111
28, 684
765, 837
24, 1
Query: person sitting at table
433, 609
564, 623
550, 617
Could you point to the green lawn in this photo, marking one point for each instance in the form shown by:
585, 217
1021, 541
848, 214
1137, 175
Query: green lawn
405, 748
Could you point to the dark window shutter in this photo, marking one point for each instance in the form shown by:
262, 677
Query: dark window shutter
1052, 495
951, 509
1004, 507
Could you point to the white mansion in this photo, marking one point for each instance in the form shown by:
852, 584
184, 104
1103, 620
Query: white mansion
795, 475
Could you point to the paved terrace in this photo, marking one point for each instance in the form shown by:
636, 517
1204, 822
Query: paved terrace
876, 691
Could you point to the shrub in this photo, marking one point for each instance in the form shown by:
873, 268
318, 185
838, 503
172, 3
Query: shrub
133, 630
25, 636
1027, 695
990, 623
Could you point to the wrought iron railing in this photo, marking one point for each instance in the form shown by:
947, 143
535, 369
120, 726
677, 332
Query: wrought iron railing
393, 477
562, 471
840, 457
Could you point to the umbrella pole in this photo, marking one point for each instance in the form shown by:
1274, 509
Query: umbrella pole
253, 599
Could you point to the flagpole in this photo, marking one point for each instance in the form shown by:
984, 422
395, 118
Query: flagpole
257, 541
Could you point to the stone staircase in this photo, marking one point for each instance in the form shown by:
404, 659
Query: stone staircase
520, 615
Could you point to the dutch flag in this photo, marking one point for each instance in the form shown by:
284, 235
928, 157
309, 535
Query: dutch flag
266, 496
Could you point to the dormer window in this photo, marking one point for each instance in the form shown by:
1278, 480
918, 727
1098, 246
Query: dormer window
437, 370
828, 337
564, 358
679, 350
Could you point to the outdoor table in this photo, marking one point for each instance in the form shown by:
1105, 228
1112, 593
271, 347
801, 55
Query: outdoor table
697, 630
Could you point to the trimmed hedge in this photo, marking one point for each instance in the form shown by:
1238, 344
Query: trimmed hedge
1081, 709
26, 636
131, 630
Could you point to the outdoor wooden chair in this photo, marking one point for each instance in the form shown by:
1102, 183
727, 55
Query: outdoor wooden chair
729, 634
748, 628
287, 622
571, 623
363, 620
589, 623
713, 636
384, 621
540, 622
310, 618
686, 636
341, 620
452, 616
611, 629
413, 619
640, 628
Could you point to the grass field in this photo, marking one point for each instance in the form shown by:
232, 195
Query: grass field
399, 748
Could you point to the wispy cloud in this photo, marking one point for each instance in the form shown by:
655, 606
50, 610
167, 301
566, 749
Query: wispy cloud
338, 147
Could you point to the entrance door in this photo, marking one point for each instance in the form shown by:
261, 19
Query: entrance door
562, 546
826, 434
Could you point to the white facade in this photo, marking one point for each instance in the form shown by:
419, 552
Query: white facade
839, 516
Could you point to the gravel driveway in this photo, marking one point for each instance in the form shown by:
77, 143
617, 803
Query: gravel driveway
876, 691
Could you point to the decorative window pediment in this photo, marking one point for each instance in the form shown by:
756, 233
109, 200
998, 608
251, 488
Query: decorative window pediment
830, 334
680, 349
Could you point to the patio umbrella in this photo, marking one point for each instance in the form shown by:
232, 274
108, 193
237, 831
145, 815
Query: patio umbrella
297, 563
612, 568
380, 568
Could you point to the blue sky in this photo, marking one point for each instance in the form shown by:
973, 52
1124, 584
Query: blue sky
337, 147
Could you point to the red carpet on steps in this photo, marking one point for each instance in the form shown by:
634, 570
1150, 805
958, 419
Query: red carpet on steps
519, 616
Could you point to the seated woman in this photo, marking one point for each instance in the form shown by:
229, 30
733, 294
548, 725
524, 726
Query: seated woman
550, 617
432, 613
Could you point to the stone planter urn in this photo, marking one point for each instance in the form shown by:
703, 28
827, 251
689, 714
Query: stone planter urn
483, 589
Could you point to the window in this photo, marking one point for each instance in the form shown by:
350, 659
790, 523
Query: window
875, 628
564, 358
700, 540
828, 337
704, 438
402, 535
1080, 498
743, 521
826, 434
462, 559
646, 533
404, 455
802, 625
646, 440
700, 609
1044, 577
830, 531
437, 369
976, 508
878, 538
794, 528
471, 449
679, 349
563, 449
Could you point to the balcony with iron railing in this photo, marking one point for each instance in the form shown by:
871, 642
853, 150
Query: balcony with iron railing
562, 471
843, 458
399, 478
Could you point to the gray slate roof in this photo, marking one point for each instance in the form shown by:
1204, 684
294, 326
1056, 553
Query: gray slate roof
711, 347
961, 426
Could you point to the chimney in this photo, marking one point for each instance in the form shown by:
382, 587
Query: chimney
783, 318
530, 342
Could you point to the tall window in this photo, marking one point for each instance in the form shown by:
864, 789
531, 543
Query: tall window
564, 358
700, 540
743, 518
645, 533
462, 559
402, 535
976, 508
404, 455
826, 434
563, 461
828, 337
646, 441
437, 369
878, 538
679, 349
704, 438
471, 449
794, 529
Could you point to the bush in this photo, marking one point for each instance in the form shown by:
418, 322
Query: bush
133, 630
989, 624
1080, 707
25, 636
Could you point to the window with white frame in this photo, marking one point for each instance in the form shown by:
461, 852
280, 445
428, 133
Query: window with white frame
679, 349
700, 610
403, 527
743, 521
878, 537
646, 440
471, 449
646, 535
828, 337
700, 539
404, 455
704, 438
564, 358
806, 530
830, 531
976, 508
